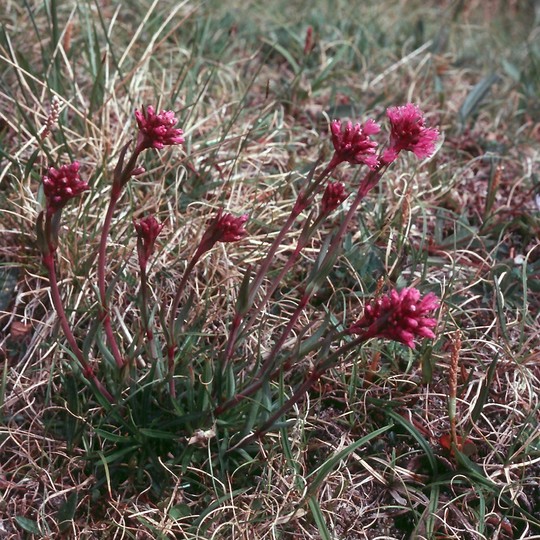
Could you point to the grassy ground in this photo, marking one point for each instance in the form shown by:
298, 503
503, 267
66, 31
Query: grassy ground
254, 107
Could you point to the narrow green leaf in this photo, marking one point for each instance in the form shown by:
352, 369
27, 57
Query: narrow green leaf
499, 305
432, 510
31, 161
334, 61
29, 525
114, 456
3, 385
287, 55
475, 97
157, 434
66, 512
484, 391
110, 436
427, 365
319, 519
493, 184
323, 471
417, 435
512, 70
242, 304
180, 511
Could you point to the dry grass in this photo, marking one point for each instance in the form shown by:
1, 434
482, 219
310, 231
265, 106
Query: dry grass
465, 225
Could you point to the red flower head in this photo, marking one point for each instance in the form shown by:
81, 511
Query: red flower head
60, 185
399, 316
148, 229
352, 143
333, 196
157, 130
408, 132
224, 228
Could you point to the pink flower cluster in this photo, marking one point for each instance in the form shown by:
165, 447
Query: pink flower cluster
400, 316
409, 132
333, 196
224, 228
61, 185
147, 229
157, 130
352, 143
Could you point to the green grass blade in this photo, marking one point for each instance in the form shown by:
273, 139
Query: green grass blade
475, 97
398, 419
322, 472
319, 519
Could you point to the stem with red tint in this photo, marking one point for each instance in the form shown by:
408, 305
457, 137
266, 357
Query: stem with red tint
304, 199
121, 177
88, 372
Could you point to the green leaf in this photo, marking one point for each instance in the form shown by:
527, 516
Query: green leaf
287, 55
180, 511
3, 384
30, 163
334, 61
417, 435
319, 519
157, 434
110, 436
66, 512
432, 510
242, 304
29, 525
499, 304
484, 391
475, 97
119, 454
427, 365
512, 70
323, 471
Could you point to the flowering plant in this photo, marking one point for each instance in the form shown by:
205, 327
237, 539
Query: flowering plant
165, 349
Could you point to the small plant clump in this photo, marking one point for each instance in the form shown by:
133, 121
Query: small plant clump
218, 382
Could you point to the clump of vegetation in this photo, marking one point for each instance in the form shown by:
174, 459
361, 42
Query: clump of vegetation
231, 315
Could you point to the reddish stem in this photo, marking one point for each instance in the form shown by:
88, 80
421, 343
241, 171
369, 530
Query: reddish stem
145, 295
171, 341
304, 200
121, 177
302, 242
317, 372
104, 310
368, 182
48, 261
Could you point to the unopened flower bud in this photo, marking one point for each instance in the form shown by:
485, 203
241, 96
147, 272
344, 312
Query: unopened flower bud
352, 143
333, 196
148, 229
224, 228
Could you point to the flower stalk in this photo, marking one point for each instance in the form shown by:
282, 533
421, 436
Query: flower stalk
223, 228
87, 371
404, 310
60, 186
155, 131
304, 199
403, 316
147, 230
